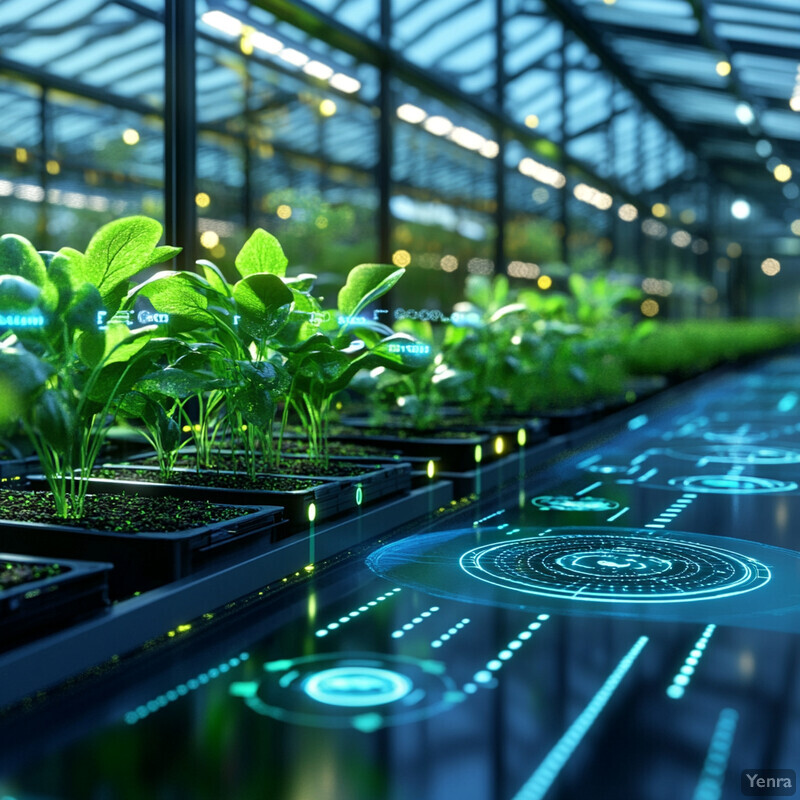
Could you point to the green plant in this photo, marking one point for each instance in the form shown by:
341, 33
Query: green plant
64, 379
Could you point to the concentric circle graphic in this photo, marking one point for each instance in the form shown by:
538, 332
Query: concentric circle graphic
731, 484
738, 454
603, 567
366, 691
548, 502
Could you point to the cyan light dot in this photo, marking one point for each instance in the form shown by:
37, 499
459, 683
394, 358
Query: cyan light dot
470, 688
445, 637
332, 626
131, 718
425, 614
681, 680
515, 645
494, 665
687, 670
525, 635
675, 692
234, 662
223, 668
417, 620
483, 676
543, 617
534, 626
344, 619
692, 661
353, 614
437, 643
213, 673
408, 626
504, 655
322, 633
397, 635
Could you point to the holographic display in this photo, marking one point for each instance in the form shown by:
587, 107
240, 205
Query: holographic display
567, 502
606, 571
601, 566
731, 484
365, 691
738, 454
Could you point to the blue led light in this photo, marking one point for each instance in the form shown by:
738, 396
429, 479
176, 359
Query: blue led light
356, 686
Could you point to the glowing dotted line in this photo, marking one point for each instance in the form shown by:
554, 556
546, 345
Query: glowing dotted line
709, 787
356, 612
182, 689
445, 637
513, 530
485, 676
542, 779
496, 514
672, 511
401, 632
681, 680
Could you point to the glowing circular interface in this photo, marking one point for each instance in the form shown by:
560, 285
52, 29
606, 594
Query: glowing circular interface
549, 502
735, 436
356, 686
603, 567
365, 691
739, 454
731, 484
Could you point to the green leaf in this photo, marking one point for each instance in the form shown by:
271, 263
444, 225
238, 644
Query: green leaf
365, 284
23, 374
56, 421
19, 257
18, 295
177, 293
162, 254
118, 251
215, 278
84, 307
176, 383
262, 252
258, 298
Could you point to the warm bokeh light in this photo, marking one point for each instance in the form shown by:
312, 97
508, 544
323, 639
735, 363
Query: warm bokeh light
202, 200
687, 216
284, 211
21, 154
723, 68
316, 69
344, 83
734, 250
209, 239
532, 121
795, 227
218, 251
327, 108
544, 282
794, 103
524, 269
681, 239
449, 263
740, 209
130, 136
770, 266
628, 212
650, 307
401, 258
542, 173
659, 210
53, 167
782, 173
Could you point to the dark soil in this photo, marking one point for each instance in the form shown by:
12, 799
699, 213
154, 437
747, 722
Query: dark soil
220, 480
409, 433
299, 447
289, 466
13, 573
119, 513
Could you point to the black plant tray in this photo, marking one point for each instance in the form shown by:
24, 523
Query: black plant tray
17, 468
335, 495
378, 480
419, 464
146, 559
508, 427
40, 606
456, 454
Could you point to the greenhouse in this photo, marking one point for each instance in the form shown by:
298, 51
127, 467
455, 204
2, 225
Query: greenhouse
399, 399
